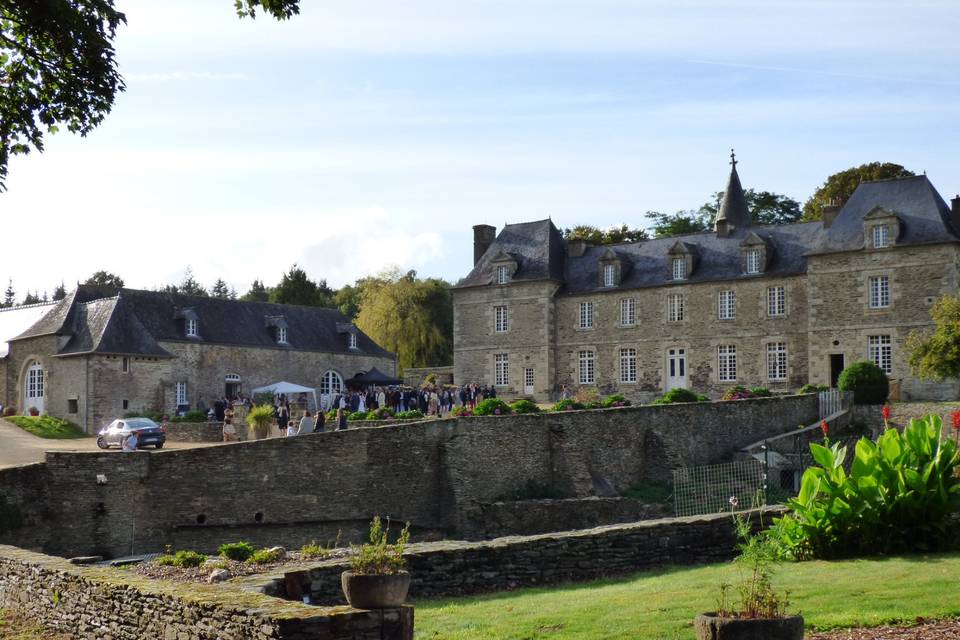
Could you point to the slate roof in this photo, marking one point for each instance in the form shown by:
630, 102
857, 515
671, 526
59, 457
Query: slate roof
14, 320
542, 255
733, 207
134, 322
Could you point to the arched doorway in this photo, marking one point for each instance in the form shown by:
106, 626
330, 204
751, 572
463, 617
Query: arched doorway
331, 385
33, 387
232, 385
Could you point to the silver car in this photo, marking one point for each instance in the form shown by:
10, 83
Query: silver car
149, 433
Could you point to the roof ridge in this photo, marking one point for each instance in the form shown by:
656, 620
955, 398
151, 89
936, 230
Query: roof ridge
234, 300
17, 307
913, 177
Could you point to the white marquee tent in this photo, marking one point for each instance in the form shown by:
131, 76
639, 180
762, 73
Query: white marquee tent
287, 388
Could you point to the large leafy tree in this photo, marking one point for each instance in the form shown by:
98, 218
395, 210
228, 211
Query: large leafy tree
257, 293
765, 207
680, 222
297, 288
611, 235
841, 185
105, 281
58, 66
409, 316
935, 355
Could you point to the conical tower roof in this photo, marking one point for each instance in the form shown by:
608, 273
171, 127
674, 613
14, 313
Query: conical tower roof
733, 209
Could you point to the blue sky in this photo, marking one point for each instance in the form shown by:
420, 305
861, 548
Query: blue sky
364, 134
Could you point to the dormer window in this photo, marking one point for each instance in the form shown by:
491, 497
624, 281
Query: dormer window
753, 261
609, 275
881, 236
755, 254
611, 269
681, 260
352, 340
281, 335
503, 274
278, 326
192, 328
881, 228
679, 269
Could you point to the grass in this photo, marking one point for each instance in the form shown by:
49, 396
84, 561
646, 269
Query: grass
650, 492
662, 604
13, 628
47, 427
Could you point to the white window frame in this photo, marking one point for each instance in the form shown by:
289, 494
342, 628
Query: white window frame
529, 377
587, 367
881, 236
753, 261
879, 291
352, 340
281, 335
331, 382
676, 311
880, 351
503, 274
35, 380
628, 364
628, 312
727, 305
192, 328
586, 315
727, 363
679, 269
501, 369
609, 275
777, 361
776, 301
501, 321
180, 394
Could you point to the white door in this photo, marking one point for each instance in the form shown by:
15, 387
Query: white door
33, 390
528, 379
676, 373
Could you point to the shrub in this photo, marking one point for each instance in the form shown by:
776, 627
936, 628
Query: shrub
867, 381
585, 396
192, 416
737, 392
357, 415
182, 559
813, 388
314, 550
265, 556
680, 395
9, 411
567, 405
238, 551
380, 414
901, 495
461, 412
760, 392
615, 400
524, 406
492, 406
413, 414
166, 560
378, 556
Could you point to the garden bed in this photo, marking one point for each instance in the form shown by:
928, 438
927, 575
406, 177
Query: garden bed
152, 569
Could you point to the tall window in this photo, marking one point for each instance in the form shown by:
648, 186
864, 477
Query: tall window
727, 363
500, 319
609, 275
35, 380
181, 394
777, 361
125, 364
628, 312
881, 236
727, 305
587, 375
776, 301
282, 335
753, 261
628, 365
675, 310
503, 274
192, 326
679, 268
352, 340
586, 315
879, 292
881, 352
501, 377
331, 383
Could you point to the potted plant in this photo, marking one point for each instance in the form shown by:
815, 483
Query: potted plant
761, 611
259, 419
376, 579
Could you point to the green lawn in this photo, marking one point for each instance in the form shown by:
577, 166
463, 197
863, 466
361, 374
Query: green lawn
47, 427
662, 604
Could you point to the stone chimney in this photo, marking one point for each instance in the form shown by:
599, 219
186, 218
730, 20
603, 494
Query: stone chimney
955, 213
483, 237
830, 212
576, 247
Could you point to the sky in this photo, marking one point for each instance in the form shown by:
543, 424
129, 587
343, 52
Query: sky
371, 133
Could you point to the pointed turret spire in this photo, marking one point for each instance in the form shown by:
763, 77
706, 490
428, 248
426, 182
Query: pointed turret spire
733, 212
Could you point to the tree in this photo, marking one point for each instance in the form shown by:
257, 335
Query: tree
9, 296
59, 292
297, 288
347, 299
257, 293
680, 223
842, 184
611, 235
189, 285
765, 207
58, 66
411, 317
31, 298
105, 281
221, 289
935, 355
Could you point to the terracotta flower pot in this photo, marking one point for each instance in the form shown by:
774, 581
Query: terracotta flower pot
375, 591
710, 626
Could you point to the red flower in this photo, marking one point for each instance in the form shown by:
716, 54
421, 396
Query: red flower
825, 428
885, 412
955, 417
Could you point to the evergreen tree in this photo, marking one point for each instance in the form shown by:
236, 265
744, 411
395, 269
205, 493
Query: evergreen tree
9, 296
189, 285
297, 288
60, 292
220, 289
257, 293
31, 298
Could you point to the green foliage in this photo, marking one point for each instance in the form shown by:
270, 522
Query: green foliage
936, 355
867, 381
105, 281
650, 492
492, 406
221, 289
680, 395
462, 412
47, 427
265, 556
765, 207
760, 392
412, 414
238, 551
31, 298
189, 285
259, 419
533, 490
611, 235
257, 293
314, 551
378, 556
380, 413
181, 559
569, 404
357, 415
297, 288
738, 392
680, 223
813, 388
524, 406
841, 185
347, 301
616, 400
279, 9
9, 294
191, 416
59, 292
758, 555
901, 494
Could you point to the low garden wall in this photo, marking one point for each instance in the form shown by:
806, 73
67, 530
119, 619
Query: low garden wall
200, 432
902, 412
441, 569
104, 603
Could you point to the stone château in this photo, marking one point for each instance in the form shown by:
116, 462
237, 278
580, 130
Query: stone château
774, 306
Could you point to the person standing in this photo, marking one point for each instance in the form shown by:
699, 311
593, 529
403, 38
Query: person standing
229, 431
341, 419
283, 415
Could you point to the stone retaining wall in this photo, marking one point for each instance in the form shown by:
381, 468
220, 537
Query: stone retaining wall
442, 569
101, 603
902, 412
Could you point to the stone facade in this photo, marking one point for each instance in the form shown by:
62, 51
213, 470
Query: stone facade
97, 603
771, 306
434, 474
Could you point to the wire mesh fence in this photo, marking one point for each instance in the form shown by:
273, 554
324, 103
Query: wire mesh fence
708, 489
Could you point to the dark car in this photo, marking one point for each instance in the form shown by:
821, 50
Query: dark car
148, 433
